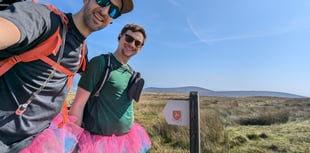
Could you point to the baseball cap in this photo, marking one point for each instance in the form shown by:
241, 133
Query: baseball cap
125, 5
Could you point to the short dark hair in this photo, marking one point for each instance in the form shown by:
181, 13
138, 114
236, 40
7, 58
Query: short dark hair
134, 28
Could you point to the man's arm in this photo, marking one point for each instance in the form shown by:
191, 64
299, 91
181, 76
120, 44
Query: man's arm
77, 107
9, 33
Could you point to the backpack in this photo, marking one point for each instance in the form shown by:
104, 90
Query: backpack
135, 84
49, 46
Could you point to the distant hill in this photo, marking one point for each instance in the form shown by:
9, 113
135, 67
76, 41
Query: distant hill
207, 92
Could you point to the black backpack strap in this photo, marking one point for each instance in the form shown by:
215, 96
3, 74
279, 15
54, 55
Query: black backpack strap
135, 84
105, 75
10, 1
5, 3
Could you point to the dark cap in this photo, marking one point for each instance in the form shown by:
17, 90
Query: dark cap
125, 5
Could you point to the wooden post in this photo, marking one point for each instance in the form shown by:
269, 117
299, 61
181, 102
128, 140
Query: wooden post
194, 122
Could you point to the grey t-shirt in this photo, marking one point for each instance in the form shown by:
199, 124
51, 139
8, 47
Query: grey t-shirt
36, 23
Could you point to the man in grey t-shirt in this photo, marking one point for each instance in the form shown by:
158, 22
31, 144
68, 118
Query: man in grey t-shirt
23, 26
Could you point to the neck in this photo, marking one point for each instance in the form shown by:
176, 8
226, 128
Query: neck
78, 21
122, 59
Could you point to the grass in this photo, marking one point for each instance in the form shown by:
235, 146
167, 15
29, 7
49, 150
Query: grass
273, 125
292, 137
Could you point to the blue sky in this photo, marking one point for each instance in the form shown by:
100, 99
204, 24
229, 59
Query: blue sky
220, 45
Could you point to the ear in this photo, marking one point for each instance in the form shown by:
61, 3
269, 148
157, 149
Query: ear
119, 36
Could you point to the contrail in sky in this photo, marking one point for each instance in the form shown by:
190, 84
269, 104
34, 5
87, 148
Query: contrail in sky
290, 26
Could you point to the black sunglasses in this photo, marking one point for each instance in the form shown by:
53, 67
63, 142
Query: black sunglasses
130, 39
114, 11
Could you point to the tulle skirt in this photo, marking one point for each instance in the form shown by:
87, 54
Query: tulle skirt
56, 139
135, 141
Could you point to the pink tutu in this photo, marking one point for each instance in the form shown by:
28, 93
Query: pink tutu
135, 141
56, 139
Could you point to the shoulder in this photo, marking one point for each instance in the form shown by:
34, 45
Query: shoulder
96, 63
35, 21
26, 10
99, 58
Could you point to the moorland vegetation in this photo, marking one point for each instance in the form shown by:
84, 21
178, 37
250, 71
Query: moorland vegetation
230, 125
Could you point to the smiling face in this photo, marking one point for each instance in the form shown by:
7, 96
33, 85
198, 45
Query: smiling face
95, 17
128, 43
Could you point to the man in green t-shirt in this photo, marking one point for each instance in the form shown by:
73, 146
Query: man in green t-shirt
112, 113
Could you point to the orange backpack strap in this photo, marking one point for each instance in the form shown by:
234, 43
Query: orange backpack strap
65, 113
61, 14
61, 68
49, 46
83, 60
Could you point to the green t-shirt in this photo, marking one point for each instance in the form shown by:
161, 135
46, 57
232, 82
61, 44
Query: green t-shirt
112, 112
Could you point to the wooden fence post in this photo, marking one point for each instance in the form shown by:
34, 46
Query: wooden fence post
194, 122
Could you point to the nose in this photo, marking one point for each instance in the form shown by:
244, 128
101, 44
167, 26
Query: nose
105, 10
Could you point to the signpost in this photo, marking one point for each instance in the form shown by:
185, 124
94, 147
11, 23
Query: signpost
177, 113
186, 113
194, 130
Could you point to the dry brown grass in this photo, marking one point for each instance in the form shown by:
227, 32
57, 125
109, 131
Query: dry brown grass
221, 132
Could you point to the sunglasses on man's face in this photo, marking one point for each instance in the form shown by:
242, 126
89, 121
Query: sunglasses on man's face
114, 11
130, 39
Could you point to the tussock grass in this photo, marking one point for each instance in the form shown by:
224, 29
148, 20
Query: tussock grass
230, 125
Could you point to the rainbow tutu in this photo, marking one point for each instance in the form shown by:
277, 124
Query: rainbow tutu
56, 139
135, 141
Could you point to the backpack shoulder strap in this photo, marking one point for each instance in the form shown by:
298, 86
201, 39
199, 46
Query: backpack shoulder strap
49, 46
83, 59
45, 48
105, 75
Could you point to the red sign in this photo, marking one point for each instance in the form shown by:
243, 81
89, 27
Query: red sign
176, 114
